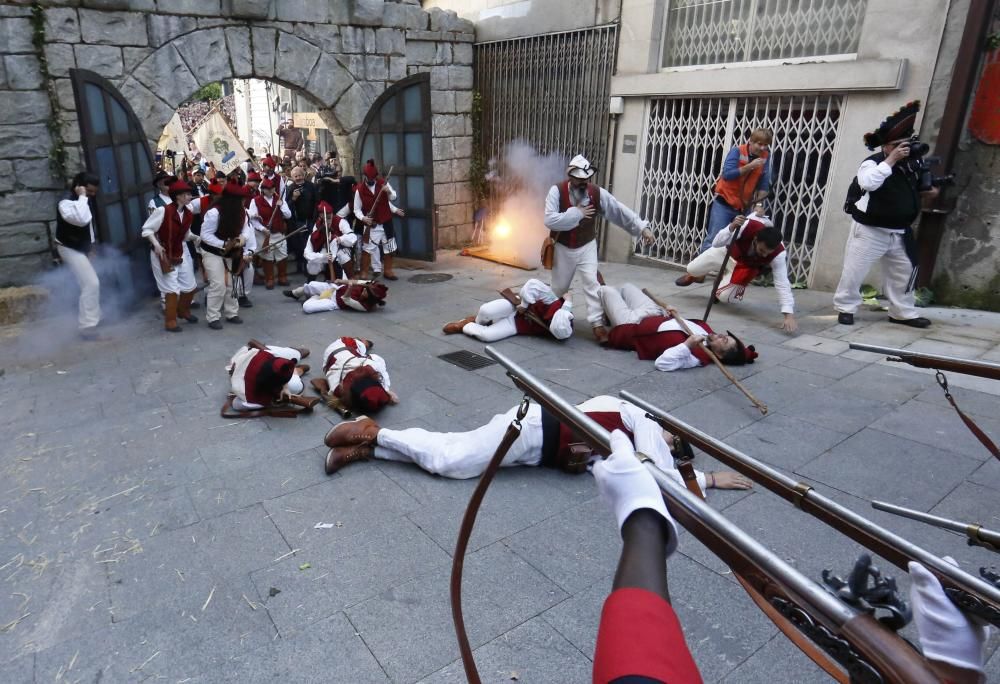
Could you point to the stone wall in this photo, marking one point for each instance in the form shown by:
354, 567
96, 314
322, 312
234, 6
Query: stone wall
340, 53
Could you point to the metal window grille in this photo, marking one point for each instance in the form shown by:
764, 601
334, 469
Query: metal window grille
725, 31
686, 144
550, 91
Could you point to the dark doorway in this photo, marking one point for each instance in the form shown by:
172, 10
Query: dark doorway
397, 133
115, 148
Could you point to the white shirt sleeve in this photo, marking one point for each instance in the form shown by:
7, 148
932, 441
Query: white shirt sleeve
872, 175
208, 228
359, 212
378, 363
153, 224
286, 210
390, 192
76, 211
620, 215
347, 240
677, 357
249, 237
723, 237
647, 436
556, 220
779, 270
311, 254
253, 215
536, 291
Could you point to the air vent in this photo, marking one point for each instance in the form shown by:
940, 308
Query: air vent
467, 360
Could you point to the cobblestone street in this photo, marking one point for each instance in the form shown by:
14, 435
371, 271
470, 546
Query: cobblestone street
143, 537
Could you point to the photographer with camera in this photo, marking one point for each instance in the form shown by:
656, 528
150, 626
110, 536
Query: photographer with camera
884, 200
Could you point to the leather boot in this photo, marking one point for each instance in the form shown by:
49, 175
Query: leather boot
688, 279
601, 334
456, 326
387, 268
349, 269
366, 266
338, 457
361, 430
170, 313
269, 275
258, 277
184, 307
283, 273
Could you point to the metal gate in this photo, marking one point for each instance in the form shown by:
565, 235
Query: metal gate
550, 91
686, 143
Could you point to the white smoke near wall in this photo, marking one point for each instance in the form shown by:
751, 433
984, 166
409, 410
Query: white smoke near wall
53, 330
517, 229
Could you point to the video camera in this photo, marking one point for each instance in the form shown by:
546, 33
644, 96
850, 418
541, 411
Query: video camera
920, 164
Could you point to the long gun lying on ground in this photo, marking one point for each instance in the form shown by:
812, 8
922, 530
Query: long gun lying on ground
940, 364
857, 642
966, 591
976, 533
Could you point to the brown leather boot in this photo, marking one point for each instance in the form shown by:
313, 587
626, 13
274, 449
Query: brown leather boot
349, 269
269, 275
387, 268
361, 430
283, 273
340, 456
601, 334
456, 326
366, 266
170, 313
688, 279
303, 352
184, 307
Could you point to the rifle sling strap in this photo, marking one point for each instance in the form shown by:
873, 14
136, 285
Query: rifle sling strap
983, 438
793, 634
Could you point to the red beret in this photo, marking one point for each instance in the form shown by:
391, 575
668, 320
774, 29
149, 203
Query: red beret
370, 171
267, 184
269, 161
324, 207
178, 186
253, 176
237, 190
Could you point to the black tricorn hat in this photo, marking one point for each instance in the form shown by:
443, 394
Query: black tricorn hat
895, 126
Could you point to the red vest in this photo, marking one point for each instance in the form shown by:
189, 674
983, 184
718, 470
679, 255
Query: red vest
318, 238
264, 211
586, 230
748, 263
526, 326
172, 231
261, 388
644, 338
609, 420
382, 212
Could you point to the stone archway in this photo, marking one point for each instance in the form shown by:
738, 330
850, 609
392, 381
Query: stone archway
342, 55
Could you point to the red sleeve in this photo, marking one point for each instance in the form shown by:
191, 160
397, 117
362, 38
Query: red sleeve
640, 636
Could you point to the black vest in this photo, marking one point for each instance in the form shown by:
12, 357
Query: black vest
896, 204
74, 237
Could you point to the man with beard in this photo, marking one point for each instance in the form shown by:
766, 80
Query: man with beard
301, 198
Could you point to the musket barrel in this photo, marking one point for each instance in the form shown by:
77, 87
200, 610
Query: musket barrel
982, 369
890, 546
884, 650
972, 530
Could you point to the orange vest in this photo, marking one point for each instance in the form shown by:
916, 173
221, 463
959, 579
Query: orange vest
738, 193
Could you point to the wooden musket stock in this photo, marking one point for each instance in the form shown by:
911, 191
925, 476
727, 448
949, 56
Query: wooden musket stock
968, 592
865, 649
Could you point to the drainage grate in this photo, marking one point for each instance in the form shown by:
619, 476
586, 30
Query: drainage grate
467, 360
428, 278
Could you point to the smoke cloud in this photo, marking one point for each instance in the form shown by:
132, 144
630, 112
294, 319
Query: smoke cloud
523, 181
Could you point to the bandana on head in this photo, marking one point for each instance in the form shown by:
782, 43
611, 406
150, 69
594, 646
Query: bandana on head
749, 353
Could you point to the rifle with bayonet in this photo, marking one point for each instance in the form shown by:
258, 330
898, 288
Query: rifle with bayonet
855, 641
976, 534
966, 591
940, 364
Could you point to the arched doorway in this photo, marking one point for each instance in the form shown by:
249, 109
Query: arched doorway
397, 133
115, 148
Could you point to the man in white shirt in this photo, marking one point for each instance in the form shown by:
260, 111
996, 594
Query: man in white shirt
75, 239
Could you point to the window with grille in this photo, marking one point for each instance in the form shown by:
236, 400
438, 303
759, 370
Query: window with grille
686, 144
699, 32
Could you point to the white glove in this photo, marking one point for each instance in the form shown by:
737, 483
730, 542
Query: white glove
561, 326
627, 486
946, 634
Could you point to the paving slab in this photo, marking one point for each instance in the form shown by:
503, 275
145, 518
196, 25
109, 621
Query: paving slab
939, 427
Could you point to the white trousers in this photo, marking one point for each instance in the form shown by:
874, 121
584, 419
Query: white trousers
79, 265
180, 279
316, 303
495, 321
277, 253
629, 305
376, 238
710, 261
248, 274
865, 246
566, 263
220, 295
462, 455
294, 386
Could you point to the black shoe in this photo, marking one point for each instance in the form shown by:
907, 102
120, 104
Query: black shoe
215, 325
235, 320
245, 302
195, 305
190, 319
845, 318
918, 322
90, 334
289, 293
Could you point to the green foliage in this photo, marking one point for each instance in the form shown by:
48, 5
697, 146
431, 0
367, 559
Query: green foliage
57, 154
477, 165
207, 93
992, 41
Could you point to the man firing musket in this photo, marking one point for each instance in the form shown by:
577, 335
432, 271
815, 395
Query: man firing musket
373, 206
